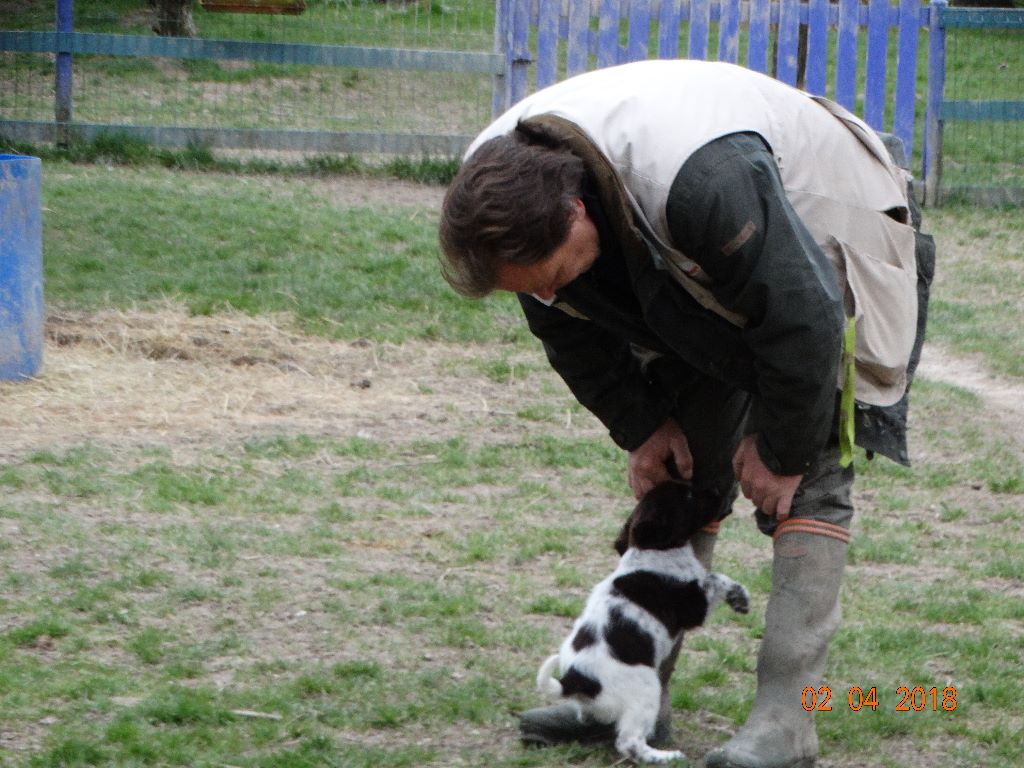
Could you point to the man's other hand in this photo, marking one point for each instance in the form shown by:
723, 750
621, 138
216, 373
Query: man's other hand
771, 493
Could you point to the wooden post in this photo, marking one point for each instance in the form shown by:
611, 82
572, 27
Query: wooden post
62, 84
502, 45
520, 48
932, 153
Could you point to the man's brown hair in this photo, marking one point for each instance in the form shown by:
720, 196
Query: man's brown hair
510, 203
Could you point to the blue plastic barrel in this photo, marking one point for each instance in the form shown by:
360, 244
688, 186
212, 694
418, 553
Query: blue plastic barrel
21, 267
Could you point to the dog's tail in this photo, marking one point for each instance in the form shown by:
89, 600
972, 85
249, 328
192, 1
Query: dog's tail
546, 682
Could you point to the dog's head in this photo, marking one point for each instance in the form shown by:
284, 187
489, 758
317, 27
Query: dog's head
667, 516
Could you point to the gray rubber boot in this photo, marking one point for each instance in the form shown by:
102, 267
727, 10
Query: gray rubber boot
559, 723
802, 615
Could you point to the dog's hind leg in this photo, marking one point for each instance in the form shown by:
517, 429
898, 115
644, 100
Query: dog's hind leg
718, 586
636, 723
635, 747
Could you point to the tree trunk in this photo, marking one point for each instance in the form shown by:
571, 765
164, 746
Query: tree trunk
174, 18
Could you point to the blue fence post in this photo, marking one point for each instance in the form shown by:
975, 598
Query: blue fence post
757, 44
21, 268
878, 41
846, 54
817, 46
608, 34
906, 73
499, 88
62, 78
788, 41
668, 29
729, 31
577, 56
932, 151
700, 28
547, 42
639, 30
519, 50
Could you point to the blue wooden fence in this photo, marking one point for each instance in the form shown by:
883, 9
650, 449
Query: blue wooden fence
561, 38
551, 39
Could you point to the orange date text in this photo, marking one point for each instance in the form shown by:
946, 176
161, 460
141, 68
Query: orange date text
908, 699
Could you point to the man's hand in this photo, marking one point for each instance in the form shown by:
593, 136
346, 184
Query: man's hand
647, 464
773, 494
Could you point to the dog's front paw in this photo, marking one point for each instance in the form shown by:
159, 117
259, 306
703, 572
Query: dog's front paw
652, 756
663, 756
738, 598
673, 755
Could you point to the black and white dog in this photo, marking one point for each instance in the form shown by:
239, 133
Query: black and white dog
609, 662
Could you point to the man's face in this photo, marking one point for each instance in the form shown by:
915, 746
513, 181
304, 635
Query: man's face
568, 261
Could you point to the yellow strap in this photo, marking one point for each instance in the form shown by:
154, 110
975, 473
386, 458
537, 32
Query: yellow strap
846, 427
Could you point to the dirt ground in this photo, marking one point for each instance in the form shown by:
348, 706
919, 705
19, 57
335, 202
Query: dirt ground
137, 376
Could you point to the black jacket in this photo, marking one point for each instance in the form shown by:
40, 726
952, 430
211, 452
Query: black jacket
728, 212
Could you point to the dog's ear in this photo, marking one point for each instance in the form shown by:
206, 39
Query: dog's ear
622, 542
651, 534
709, 504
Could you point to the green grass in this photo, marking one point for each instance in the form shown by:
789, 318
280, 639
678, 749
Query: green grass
979, 277
257, 245
119, 640
296, 597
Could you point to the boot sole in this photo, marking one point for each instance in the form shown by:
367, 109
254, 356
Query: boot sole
803, 762
541, 739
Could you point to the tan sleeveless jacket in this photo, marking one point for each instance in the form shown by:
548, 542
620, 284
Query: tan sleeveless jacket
647, 118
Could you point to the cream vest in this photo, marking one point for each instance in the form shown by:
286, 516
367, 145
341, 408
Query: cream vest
648, 117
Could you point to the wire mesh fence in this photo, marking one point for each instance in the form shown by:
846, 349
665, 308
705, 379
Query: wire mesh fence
244, 94
983, 151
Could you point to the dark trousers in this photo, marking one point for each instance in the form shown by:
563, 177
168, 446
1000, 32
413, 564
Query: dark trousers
713, 417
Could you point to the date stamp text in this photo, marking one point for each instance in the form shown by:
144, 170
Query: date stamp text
907, 699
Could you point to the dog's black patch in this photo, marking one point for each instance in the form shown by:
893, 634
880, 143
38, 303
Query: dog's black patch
628, 641
586, 636
575, 683
676, 604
